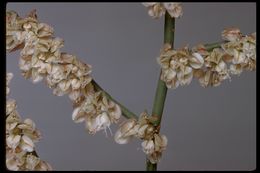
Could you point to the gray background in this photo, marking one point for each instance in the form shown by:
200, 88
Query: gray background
207, 129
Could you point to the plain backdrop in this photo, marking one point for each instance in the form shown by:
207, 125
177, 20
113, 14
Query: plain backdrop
207, 128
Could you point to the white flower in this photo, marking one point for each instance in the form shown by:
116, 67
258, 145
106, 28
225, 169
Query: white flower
101, 122
10, 106
74, 95
75, 84
43, 166
177, 66
174, 9
144, 128
239, 57
12, 164
148, 146
78, 115
44, 30
31, 162
13, 141
156, 9
114, 111
236, 69
231, 34
196, 60
160, 142
27, 144
125, 132
154, 147
185, 75
154, 157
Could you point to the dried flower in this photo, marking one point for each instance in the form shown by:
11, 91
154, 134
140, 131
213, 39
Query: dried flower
154, 147
125, 132
176, 68
156, 9
43, 166
31, 162
100, 122
174, 9
20, 138
231, 34
153, 143
196, 61
144, 128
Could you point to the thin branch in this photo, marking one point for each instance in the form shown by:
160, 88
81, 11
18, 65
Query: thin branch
161, 91
126, 112
211, 46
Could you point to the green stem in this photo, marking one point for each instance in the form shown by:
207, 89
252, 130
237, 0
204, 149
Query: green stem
126, 113
212, 46
161, 91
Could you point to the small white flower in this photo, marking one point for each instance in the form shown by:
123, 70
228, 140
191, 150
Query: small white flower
13, 141
10, 106
174, 9
236, 69
185, 75
114, 111
231, 34
43, 166
125, 132
156, 9
239, 57
154, 157
31, 162
11, 164
196, 60
148, 146
78, 115
74, 95
75, 84
27, 144
64, 85
101, 122
160, 142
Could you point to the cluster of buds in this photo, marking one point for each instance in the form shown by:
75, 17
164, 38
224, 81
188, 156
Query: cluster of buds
157, 9
177, 65
153, 143
211, 67
20, 139
97, 111
41, 59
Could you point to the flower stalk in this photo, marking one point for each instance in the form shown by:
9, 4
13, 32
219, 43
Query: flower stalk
161, 91
212, 46
125, 112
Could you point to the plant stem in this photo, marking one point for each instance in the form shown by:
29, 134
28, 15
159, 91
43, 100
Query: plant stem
212, 46
126, 113
161, 91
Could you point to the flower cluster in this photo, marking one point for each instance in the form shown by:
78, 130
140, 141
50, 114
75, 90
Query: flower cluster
20, 139
41, 59
153, 143
211, 67
157, 9
97, 111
